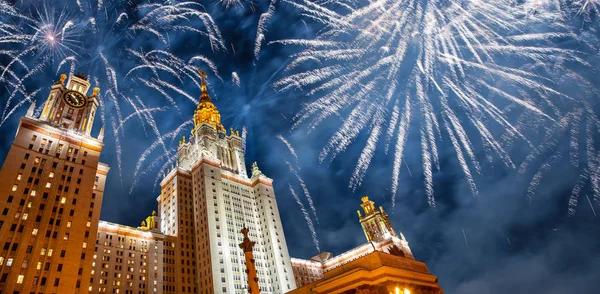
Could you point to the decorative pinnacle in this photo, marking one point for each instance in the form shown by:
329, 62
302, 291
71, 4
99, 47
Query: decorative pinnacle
204, 95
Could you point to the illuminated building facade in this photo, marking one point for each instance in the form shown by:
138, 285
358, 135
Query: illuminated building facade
383, 265
205, 202
52, 241
132, 260
51, 187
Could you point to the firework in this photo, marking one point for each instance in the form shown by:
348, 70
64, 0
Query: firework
95, 37
454, 70
581, 126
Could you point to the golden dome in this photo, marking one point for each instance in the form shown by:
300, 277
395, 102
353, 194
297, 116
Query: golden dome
206, 110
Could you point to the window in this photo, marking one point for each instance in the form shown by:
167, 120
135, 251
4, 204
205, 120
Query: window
15, 187
20, 279
19, 176
34, 232
33, 138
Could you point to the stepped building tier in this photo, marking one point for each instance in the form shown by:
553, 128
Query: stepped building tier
205, 202
383, 265
51, 187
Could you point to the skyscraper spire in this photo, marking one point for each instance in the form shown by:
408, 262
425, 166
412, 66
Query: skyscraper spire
204, 97
206, 112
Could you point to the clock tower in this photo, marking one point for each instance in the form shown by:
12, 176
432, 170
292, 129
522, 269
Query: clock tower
69, 107
51, 188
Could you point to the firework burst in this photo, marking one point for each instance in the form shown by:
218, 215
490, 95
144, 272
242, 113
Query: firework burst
99, 38
455, 70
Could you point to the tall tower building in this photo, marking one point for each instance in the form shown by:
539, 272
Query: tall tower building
51, 187
376, 223
207, 199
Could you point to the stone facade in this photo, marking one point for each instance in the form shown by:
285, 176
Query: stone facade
51, 188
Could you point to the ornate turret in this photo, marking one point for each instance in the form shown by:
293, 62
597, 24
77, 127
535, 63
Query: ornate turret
255, 170
69, 107
206, 112
376, 223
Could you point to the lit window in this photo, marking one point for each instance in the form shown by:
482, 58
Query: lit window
51, 175
33, 137
24, 264
19, 177
44, 141
70, 150
69, 224
15, 187
50, 252
34, 232
37, 160
60, 146
25, 215
20, 279
33, 192
1, 260
63, 200
43, 251
48, 185
9, 262
66, 236
39, 265
84, 244
90, 289
88, 224
29, 204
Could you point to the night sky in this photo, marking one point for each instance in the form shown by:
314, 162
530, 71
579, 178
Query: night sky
498, 242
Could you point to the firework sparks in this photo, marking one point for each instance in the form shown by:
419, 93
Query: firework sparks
94, 36
387, 67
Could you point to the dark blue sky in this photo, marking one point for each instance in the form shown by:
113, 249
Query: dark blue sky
499, 242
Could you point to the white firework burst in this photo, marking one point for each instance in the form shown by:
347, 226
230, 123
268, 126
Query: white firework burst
455, 69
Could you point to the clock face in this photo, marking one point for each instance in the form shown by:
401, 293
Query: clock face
74, 99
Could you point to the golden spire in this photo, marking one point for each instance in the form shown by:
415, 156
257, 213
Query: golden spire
206, 112
204, 97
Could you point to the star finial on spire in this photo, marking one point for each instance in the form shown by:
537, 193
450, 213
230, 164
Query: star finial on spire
203, 76
204, 95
